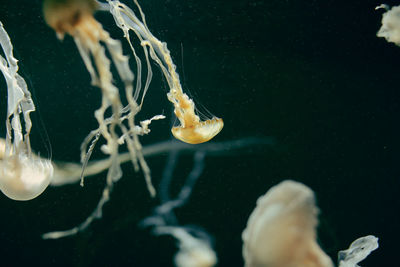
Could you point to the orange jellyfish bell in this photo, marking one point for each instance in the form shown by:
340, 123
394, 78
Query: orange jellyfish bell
192, 130
200, 132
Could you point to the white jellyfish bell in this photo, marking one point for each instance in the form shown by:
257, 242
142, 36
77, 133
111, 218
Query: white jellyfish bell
23, 175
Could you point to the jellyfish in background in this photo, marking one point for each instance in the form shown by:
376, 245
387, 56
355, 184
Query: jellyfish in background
23, 175
281, 232
390, 29
194, 244
281, 229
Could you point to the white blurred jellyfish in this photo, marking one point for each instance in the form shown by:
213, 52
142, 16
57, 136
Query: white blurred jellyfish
390, 29
193, 251
194, 244
23, 176
281, 232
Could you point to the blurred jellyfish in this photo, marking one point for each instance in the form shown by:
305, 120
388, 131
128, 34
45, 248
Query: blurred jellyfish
194, 244
281, 232
23, 176
390, 29
193, 251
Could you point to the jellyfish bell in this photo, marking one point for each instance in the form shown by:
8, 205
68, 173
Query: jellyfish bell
24, 177
192, 130
198, 132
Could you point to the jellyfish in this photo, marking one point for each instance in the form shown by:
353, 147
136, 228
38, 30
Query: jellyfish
191, 130
23, 175
194, 244
281, 229
390, 29
281, 232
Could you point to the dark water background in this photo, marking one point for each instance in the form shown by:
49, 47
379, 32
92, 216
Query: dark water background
311, 74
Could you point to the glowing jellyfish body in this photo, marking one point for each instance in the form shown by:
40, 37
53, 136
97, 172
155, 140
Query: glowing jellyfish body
23, 176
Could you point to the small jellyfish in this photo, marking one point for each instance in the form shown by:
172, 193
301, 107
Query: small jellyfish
191, 129
23, 175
